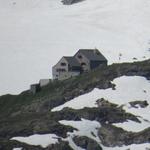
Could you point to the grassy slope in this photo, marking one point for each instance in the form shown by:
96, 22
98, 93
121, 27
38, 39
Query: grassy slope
61, 89
27, 113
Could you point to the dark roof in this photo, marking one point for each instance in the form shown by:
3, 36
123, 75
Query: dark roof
92, 54
72, 61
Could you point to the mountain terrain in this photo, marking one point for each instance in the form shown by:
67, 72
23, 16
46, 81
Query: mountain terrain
105, 109
35, 34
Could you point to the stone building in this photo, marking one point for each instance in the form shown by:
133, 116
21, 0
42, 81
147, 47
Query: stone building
44, 82
67, 67
90, 59
35, 88
83, 61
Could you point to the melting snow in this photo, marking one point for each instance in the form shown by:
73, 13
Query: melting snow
36, 139
35, 34
89, 128
17, 148
144, 146
127, 89
133, 126
85, 128
72, 144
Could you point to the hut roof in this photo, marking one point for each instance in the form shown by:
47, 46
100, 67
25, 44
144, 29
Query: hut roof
72, 61
92, 54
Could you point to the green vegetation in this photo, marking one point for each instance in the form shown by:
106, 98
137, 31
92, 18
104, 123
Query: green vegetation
28, 113
57, 92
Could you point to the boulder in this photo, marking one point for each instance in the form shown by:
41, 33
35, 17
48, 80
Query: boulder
86, 143
141, 104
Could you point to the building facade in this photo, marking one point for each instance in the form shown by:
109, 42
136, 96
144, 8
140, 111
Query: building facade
90, 59
67, 67
83, 61
44, 82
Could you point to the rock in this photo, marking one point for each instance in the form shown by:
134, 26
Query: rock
86, 143
101, 113
104, 103
1, 148
112, 136
69, 2
26, 114
137, 104
62, 145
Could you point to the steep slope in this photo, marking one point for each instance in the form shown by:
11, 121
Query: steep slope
96, 110
35, 34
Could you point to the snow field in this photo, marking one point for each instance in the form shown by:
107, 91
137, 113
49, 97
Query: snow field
35, 34
127, 89
36, 139
84, 128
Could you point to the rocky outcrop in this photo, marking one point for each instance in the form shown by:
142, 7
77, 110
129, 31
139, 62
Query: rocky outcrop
62, 145
112, 136
69, 2
30, 126
9, 145
101, 113
26, 114
141, 104
86, 143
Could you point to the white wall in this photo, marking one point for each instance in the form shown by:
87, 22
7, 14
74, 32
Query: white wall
67, 75
44, 82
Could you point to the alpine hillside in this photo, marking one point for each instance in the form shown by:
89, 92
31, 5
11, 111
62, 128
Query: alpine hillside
104, 109
35, 34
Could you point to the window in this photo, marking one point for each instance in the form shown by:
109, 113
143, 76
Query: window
61, 70
63, 64
79, 56
83, 64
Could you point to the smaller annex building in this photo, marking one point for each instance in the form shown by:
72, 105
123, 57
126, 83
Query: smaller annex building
84, 60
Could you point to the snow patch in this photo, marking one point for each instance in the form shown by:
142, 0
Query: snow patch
85, 128
36, 139
40, 32
127, 89
133, 126
17, 148
72, 143
144, 146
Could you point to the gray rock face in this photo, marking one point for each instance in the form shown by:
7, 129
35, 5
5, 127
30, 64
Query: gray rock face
62, 145
87, 143
101, 113
112, 136
70, 2
137, 104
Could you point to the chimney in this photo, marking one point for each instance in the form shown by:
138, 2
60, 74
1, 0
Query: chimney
96, 51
